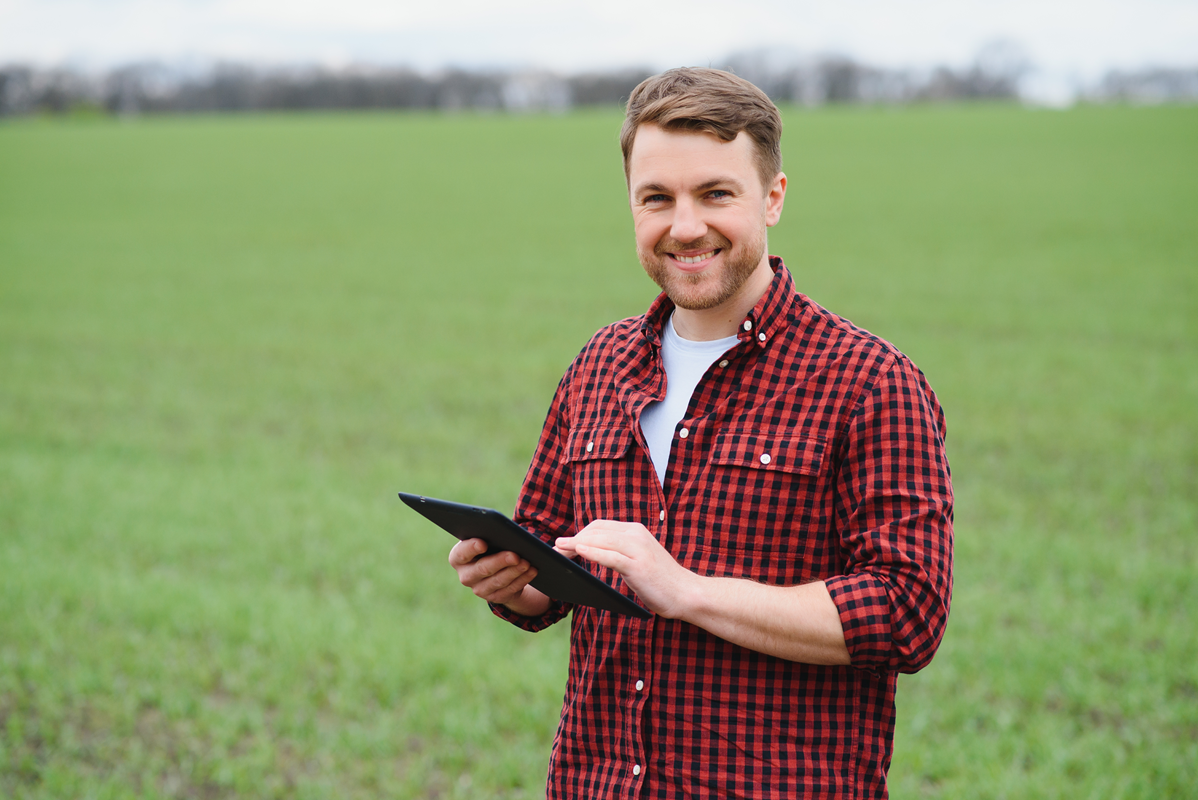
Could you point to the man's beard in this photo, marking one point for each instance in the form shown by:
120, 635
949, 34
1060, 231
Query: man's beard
696, 292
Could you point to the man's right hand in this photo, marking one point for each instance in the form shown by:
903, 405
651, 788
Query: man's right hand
500, 578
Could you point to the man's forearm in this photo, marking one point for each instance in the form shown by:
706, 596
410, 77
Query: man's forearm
799, 623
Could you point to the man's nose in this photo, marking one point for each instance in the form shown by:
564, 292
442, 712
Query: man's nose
688, 224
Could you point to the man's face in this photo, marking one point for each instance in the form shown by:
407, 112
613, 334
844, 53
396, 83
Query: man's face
700, 213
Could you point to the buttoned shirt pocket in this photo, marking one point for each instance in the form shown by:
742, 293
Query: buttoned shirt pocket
772, 451
602, 468
769, 511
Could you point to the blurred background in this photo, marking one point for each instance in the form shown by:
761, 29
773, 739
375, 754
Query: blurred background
263, 265
179, 55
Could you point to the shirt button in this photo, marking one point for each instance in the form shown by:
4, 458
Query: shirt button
685, 432
590, 446
748, 324
662, 515
761, 337
765, 458
640, 685
724, 363
636, 769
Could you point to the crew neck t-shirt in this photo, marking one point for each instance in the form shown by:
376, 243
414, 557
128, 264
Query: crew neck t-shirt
685, 364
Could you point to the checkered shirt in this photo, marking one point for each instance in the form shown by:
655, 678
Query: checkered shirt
811, 450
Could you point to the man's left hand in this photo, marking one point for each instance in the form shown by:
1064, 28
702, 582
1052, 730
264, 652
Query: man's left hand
630, 549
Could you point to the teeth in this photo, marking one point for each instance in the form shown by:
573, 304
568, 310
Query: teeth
695, 259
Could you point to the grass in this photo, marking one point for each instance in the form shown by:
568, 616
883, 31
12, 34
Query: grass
226, 342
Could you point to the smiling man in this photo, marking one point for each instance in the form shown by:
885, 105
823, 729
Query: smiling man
765, 477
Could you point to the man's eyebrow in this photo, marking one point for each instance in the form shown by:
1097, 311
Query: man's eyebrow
714, 182
654, 188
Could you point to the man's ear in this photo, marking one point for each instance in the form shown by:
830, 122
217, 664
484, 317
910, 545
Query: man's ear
774, 200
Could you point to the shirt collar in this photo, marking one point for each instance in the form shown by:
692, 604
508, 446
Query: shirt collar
762, 321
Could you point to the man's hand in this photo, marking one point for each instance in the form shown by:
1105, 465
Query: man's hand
630, 549
800, 623
498, 578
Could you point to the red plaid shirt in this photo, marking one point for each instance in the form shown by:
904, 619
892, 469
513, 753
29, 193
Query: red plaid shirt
855, 492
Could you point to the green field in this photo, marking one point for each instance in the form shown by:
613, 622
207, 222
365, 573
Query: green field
225, 343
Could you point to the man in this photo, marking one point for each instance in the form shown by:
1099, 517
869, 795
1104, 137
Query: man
768, 479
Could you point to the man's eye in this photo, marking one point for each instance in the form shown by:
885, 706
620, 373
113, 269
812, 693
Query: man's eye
719, 193
656, 198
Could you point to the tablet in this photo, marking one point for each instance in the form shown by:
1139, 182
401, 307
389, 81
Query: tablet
557, 576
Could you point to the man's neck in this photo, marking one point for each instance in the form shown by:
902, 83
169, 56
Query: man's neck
724, 320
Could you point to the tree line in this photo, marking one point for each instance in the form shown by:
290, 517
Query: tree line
997, 74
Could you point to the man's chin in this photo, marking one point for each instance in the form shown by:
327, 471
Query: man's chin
692, 291
697, 295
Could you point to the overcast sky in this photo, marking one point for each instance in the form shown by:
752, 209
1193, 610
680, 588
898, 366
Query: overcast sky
1078, 37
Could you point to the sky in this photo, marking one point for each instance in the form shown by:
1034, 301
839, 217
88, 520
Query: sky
1064, 39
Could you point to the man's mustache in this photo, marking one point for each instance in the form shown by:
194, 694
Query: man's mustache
708, 243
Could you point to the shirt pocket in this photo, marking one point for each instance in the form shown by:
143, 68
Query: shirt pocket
599, 442
602, 469
769, 451
769, 515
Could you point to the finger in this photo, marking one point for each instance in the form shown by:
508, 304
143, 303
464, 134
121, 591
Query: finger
623, 541
516, 587
466, 551
487, 566
606, 525
506, 583
472, 573
608, 557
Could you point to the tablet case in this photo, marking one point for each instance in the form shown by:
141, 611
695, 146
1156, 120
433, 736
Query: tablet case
557, 576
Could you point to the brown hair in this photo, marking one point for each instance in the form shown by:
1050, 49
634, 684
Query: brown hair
711, 101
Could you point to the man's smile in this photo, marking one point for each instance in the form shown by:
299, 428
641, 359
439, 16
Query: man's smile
695, 259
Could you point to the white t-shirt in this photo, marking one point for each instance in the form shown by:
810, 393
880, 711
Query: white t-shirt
685, 363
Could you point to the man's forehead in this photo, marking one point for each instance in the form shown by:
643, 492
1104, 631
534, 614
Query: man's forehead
649, 135
659, 155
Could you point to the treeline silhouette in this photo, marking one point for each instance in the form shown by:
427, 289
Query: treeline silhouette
997, 74
156, 88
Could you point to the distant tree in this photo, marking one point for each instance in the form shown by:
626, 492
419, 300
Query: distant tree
605, 88
1148, 86
16, 90
535, 90
996, 74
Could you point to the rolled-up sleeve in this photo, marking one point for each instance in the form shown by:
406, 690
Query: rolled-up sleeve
895, 521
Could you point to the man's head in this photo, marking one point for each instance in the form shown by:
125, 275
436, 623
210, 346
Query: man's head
700, 192
709, 101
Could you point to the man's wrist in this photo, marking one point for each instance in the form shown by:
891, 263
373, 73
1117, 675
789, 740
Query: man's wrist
530, 603
694, 597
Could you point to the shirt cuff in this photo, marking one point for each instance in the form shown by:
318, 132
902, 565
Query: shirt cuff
558, 611
864, 606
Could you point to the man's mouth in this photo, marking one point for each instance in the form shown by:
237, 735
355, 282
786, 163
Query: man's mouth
694, 259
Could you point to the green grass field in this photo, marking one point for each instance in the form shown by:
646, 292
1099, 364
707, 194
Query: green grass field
225, 343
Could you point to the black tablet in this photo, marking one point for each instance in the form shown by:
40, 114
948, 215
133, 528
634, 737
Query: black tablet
557, 576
